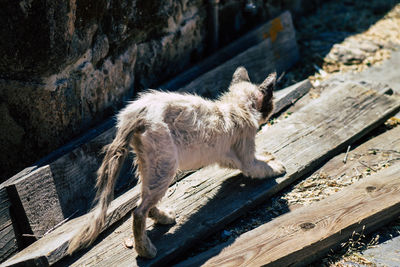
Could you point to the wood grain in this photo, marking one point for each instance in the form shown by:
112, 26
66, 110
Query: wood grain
8, 242
212, 197
49, 194
4, 207
372, 153
299, 237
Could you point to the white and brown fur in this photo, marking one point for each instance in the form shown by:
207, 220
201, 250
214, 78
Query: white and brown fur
171, 132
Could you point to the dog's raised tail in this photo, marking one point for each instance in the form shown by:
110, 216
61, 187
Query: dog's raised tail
107, 174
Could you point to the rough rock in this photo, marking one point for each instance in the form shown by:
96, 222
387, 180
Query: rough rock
346, 54
385, 254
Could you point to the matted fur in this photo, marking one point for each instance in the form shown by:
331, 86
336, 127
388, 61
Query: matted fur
171, 131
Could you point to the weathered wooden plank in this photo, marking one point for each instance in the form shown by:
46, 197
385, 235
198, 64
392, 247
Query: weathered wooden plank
8, 241
208, 199
47, 195
278, 52
126, 202
384, 145
271, 28
286, 97
299, 237
39, 200
4, 206
36, 193
369, 155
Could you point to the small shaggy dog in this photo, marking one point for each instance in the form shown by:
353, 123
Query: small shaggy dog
171, 132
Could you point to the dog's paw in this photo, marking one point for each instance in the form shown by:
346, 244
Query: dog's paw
266, 168
162, 216
277, 168
166, 216
146, 249
266, 157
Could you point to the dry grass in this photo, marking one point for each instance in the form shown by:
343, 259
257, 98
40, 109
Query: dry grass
350, 253
321, 185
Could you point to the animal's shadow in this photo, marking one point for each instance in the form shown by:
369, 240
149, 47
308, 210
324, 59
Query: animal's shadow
222, 204
199, 214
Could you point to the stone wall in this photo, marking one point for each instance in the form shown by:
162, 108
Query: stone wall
66, 65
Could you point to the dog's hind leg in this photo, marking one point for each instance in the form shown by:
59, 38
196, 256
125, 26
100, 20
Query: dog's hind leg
157, 168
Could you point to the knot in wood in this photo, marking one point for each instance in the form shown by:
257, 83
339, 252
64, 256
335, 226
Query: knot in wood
307, 226
370, 188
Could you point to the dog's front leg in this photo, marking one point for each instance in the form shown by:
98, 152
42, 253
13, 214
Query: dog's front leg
257, 166
271, 166
230, 160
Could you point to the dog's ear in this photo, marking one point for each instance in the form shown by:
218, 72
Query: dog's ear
240, 75
268, 85
265, 102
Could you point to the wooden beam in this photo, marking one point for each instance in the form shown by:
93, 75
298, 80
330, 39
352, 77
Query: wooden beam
260, 34
288, 96
47, 195
273, 54
300, 237
126, 202
212, 197
8, 241
4, 206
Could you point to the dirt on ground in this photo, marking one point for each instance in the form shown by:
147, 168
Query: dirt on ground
340, 36
344, 36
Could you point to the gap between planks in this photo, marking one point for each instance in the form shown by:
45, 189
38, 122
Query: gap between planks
302, 236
